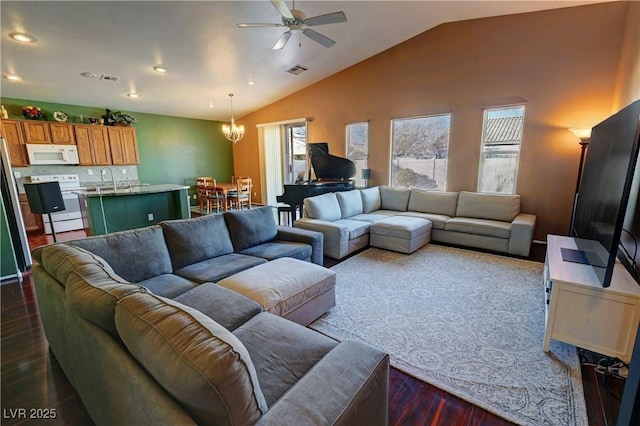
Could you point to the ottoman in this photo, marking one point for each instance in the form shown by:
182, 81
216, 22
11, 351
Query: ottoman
400, 233
294, 289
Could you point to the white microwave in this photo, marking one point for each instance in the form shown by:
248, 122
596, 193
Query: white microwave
52, 154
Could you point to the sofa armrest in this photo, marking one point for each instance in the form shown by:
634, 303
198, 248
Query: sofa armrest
299, 235
349, 386
521, 236
336, 235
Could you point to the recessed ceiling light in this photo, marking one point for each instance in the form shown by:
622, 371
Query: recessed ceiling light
13, 77
161, 69
88, 74
251, 82
22, 37
133, 95
210, 105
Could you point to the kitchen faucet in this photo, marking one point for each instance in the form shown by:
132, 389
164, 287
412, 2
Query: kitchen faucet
113, 178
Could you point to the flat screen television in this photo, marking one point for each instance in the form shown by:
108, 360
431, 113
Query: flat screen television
605, 190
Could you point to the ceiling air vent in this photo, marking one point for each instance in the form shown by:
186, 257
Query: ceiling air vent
109, 77
297, 70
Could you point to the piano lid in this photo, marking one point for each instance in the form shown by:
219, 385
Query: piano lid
327, 166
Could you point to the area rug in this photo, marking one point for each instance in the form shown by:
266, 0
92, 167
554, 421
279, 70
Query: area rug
467, 322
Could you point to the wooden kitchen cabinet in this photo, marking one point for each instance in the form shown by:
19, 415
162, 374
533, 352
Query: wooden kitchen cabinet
12, 132
93, 145
36, 132
32, 222
62, 133
124, 145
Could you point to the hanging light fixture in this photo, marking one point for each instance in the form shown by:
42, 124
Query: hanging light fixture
232, 132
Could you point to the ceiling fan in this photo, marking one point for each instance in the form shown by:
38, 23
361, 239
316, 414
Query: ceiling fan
298, 23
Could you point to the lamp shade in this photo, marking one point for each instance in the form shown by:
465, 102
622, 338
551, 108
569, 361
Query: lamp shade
582, 134
366, 174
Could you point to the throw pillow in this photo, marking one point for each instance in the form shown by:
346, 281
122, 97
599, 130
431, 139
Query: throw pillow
350, 203
193, 240
249, 228
370, 199
323, 207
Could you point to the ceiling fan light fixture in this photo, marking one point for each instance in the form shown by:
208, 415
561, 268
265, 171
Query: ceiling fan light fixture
232, 131
160, 69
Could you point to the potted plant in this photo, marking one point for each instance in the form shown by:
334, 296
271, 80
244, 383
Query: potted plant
118, 118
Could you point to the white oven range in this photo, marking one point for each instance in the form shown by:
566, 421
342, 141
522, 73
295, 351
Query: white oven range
70, 218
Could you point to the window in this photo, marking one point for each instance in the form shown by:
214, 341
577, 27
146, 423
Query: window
420, 150
296, 152
501, 137
358, 148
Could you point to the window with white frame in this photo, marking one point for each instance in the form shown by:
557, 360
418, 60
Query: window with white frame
501, 138
358, 148
420, 152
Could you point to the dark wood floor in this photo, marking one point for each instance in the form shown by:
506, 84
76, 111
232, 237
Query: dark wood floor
33, 383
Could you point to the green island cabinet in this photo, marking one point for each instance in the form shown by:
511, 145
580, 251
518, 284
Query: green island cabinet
105, 211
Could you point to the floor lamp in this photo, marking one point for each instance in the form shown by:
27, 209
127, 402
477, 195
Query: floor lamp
584, 135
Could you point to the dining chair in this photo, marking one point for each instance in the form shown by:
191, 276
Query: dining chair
208, 195
243, 194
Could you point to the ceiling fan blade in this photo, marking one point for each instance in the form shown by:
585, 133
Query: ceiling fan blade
329, 18
282, 8
317, 37
258, 25
282, 41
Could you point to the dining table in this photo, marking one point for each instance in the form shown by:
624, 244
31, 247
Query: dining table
225, 188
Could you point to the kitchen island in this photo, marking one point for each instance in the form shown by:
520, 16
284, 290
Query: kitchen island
105, 210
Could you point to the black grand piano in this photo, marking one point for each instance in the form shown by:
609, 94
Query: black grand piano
332, 174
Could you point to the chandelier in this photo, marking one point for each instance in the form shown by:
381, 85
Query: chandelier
232, 132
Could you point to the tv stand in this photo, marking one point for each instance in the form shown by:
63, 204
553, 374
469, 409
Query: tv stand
579, 311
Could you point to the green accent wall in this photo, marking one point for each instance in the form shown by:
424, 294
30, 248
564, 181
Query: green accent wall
172, 149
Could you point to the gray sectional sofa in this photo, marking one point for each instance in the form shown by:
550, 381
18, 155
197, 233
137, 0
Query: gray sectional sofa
484, 221
147, 331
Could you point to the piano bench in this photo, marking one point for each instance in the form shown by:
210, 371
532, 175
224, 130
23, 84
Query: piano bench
290, 214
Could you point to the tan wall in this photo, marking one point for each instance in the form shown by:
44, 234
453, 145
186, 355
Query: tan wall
628, 87
563, 63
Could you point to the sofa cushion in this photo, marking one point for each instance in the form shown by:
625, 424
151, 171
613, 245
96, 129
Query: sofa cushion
356, 228
167, 285
282, 352
350, 203
196, 360
92, 291
371, 217
193, 240
277, 249
217, 268
488, 206
226, 307
248, 228
323, 207
394, 198
135, 255
60, 260
442, 203
370, 199
492, 228
438, 221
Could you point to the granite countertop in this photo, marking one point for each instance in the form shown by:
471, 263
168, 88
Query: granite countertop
129, 190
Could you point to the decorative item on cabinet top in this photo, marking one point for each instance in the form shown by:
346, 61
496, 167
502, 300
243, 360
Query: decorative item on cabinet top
32, 112
60, 116
117, 118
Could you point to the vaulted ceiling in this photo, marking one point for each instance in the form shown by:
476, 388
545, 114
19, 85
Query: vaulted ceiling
206, 55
